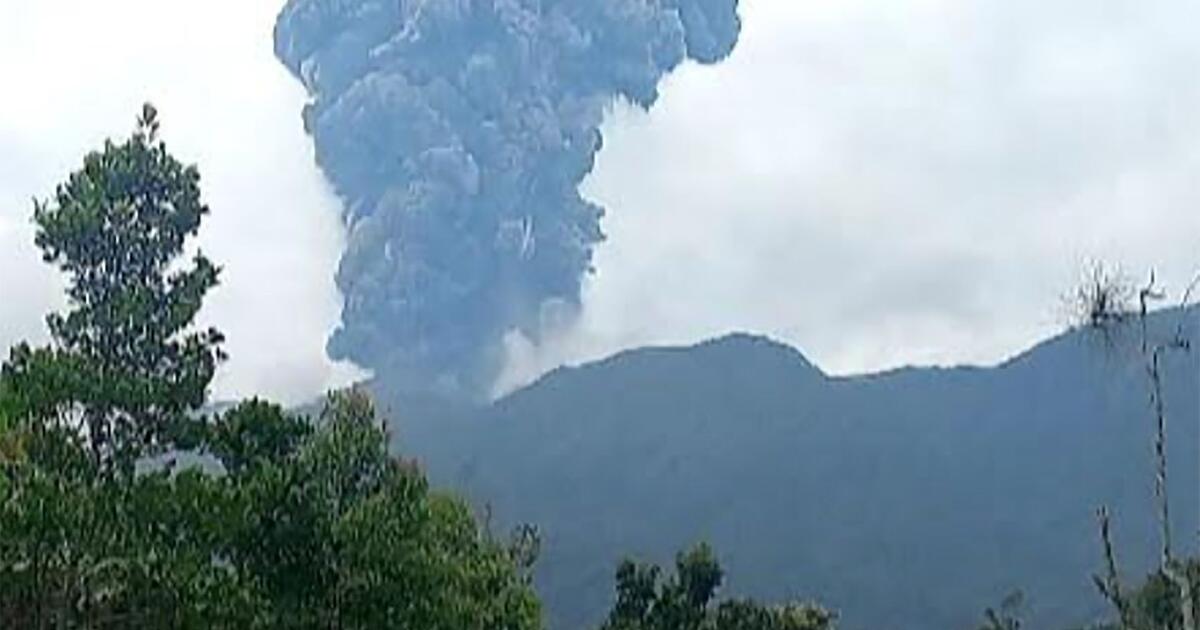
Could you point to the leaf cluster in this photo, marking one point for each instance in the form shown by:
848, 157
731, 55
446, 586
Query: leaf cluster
117, 228
308, 527
647, 600
278, 522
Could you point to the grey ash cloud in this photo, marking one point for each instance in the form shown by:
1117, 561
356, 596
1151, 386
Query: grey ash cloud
457, 132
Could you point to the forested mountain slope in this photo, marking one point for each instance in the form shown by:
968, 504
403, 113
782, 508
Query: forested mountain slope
913, 498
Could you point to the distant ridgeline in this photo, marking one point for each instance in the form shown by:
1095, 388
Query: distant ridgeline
457, 132
909, 499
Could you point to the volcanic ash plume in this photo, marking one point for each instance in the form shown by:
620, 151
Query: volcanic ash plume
456, 133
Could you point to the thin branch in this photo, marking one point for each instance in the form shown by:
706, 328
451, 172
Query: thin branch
1160, 456
1110, 583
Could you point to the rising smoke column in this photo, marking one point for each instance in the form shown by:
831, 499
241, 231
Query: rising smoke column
457, 133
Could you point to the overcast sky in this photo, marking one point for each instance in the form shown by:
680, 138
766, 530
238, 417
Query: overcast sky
878, 183
77, 71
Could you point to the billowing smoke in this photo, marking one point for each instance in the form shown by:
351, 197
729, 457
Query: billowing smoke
457, 133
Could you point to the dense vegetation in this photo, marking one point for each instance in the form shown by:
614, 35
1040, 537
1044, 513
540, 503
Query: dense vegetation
1156, 602
287, 521
124, 505
295, 523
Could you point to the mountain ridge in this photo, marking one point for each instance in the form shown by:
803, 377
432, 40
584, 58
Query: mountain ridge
752, 338
910, 498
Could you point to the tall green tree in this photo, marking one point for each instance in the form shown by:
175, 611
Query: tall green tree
84, 542
307, 524
126, 368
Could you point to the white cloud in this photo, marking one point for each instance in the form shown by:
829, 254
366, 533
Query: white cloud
886, 183
77, 72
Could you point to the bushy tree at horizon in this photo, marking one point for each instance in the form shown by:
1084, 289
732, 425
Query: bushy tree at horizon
125, 368
648, 600
309, 525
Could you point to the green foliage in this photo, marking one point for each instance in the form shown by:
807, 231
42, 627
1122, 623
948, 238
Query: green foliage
318, 529
115, 552
253, 434
343, 535
647, 601
7, 421
126, 368
306, 525
12, 436
1156, 604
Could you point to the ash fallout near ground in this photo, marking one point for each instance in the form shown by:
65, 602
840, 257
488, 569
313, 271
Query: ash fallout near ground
456, 133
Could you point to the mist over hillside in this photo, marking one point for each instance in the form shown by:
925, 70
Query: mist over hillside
913, 498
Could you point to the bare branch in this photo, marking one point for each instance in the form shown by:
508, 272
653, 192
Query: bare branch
1160, 455
1110, 583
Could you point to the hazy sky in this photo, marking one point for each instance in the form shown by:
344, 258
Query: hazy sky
77, 71
878, 183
